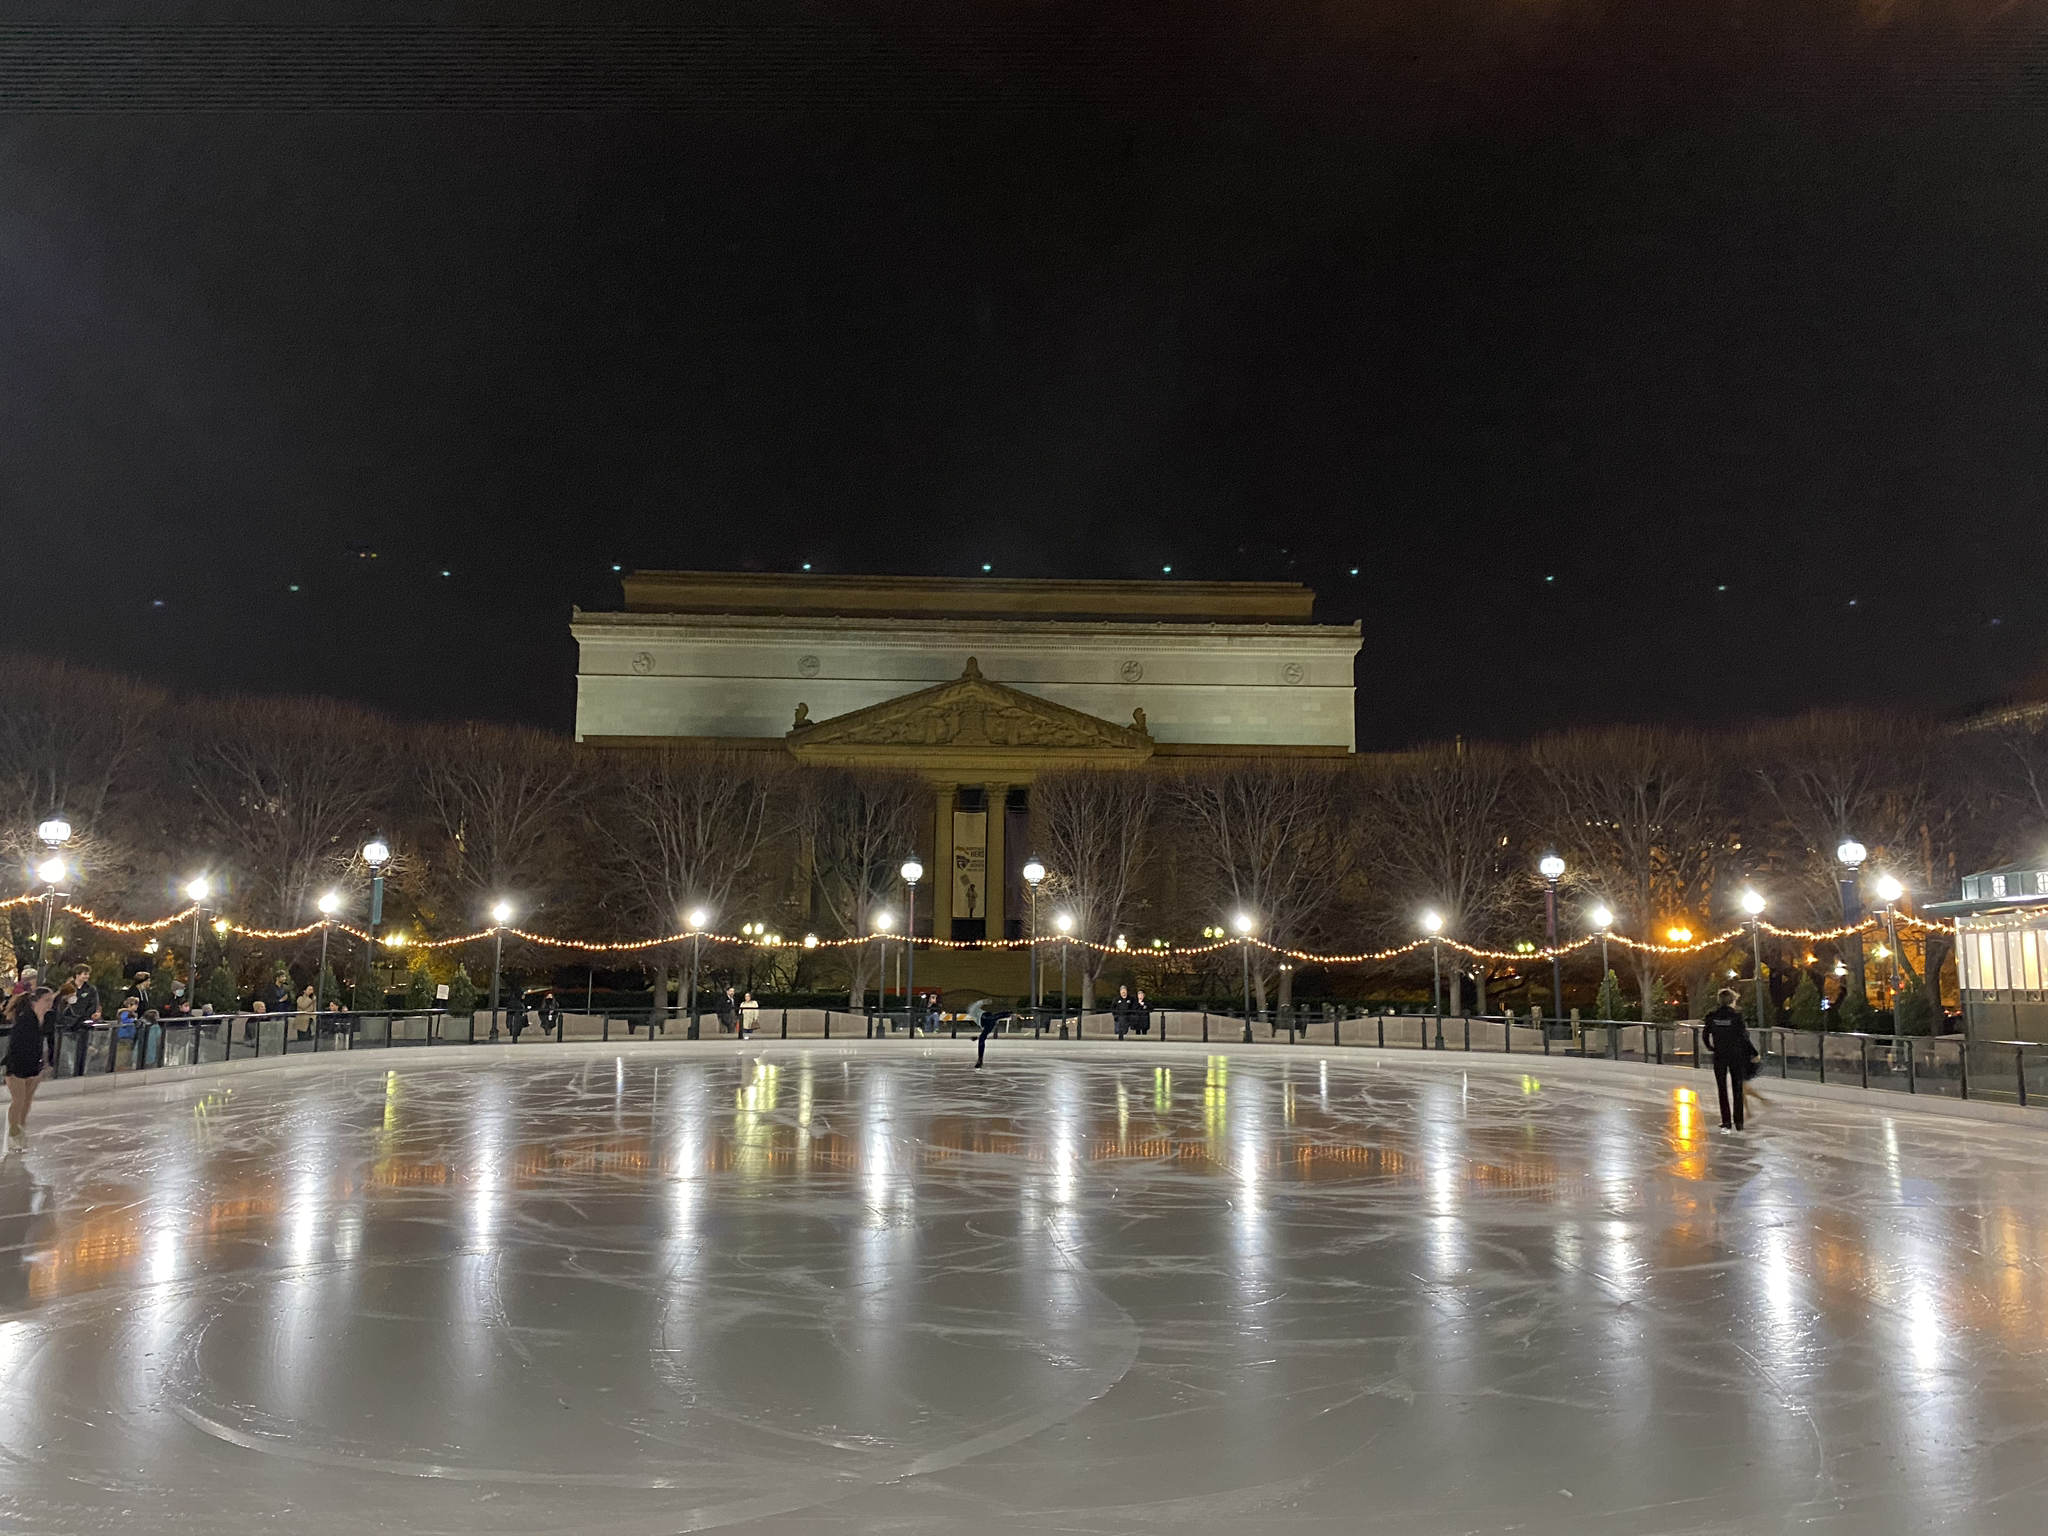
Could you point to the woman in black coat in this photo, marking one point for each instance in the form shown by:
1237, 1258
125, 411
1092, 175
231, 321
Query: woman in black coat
27, 1056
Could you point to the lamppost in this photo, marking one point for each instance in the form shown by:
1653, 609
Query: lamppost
1850, 855
51, 872
197, 891
882, 922
697, 919
501, 914
376, 854
329, 905
1433, 922
912, 873
1065, 923
1551, 867
1034, 871
1243, 924
1889, 891
1602, 921
1753, 904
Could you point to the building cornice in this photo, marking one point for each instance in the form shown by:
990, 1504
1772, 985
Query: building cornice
655, 626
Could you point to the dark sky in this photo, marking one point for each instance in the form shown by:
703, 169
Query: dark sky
1554, 320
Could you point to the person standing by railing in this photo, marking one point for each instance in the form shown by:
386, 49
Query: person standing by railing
28, 1056
1728, 1038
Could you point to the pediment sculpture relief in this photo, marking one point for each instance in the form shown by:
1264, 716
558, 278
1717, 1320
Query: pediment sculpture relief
973, 712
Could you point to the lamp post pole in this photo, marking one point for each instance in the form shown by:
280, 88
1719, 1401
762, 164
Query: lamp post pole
1034, 871
329, 905
1753, 904
1065, 923
1243, 924
1602, 921
912, 873
698, 918
1850, 855
1552, 868
196, 892
1889, 891
1437, 985
376, 854
497, 969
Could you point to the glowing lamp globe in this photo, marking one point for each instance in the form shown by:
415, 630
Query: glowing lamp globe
1602, 918
1034, 872
1752, 903
1889, 889
1433, 922
1851, 853
1551, 866
501, 914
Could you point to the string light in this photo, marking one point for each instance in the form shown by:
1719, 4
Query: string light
756, 934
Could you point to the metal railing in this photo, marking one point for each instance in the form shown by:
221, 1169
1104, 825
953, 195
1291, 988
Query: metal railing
1998, 1071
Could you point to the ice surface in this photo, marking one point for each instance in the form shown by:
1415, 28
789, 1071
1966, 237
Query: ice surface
866, 1288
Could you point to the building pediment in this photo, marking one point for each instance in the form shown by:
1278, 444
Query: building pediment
955, 724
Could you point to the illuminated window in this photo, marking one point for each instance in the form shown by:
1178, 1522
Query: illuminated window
2015, 969
1984, 982
2032, 954
1998, 885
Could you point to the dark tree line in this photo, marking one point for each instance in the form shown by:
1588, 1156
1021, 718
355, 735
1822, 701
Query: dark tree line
273, 798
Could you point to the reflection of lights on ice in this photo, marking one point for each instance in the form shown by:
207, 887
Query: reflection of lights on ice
163, 1257
1923, 1330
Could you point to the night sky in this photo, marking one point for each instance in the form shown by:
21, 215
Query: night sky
1682, 360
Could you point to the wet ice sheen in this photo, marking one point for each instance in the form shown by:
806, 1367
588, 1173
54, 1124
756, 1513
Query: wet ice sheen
848, 1289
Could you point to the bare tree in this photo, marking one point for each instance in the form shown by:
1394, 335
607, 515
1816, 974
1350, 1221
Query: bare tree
284, 789
499, 800
1270, 838
1092, 826
853, 828
1638, 815
1435, 837
681, 829
71, 740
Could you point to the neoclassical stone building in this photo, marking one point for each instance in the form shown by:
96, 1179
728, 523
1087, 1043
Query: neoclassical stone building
978, 685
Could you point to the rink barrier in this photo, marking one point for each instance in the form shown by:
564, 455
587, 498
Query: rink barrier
2013, 1072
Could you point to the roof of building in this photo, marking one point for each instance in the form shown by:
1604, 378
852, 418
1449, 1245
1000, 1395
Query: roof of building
934, 597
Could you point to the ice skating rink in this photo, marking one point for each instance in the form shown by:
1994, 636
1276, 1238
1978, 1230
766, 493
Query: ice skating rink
865, 1288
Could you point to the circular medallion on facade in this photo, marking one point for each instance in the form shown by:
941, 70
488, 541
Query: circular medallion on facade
643, 663
1131, 670
1292, 673
808, 667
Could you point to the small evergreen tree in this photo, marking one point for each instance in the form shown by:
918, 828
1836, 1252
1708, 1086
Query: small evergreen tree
369, 992
1915, 1013
1853, 1012
1609, 1004
1745, 998
419, 985
1806, 1009
461, 993
326, 990
219, 990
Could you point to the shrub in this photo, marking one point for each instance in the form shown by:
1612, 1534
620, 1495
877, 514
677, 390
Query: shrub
1807, 1012
1915, 1011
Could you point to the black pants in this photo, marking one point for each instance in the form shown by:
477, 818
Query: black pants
988, 1028
1725, 1074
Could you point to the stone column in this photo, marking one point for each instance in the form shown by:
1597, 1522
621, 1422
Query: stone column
942, 863
992, 902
